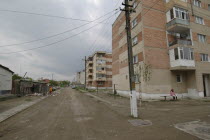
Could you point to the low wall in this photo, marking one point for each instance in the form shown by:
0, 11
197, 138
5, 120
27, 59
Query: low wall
192, 94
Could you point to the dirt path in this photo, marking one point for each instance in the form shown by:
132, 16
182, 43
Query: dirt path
75, 116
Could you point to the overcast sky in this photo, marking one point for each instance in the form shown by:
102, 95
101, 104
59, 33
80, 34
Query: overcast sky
63, 59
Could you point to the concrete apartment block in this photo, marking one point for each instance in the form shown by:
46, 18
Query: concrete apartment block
172, 38
80, 77
99, 70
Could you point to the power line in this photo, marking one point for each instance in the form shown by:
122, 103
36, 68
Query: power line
57, 41
51, 36
45, 15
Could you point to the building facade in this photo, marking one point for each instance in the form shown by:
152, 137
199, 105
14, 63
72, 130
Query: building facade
5, 80
80, 77
171, 48
99, 70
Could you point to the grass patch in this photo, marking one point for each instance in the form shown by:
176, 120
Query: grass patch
206, 100
28, 100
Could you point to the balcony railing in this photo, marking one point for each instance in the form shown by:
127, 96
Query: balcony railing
180, 42
177, 21
101, 78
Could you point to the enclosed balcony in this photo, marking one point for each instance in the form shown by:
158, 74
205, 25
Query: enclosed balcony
178, 25
182, 58
180, 42
171, 3
177, 20
100, 77
180, 39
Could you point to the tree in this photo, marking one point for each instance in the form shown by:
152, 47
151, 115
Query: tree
54, 83
16, 77
64, 83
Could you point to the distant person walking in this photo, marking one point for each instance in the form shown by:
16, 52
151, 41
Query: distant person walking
51, 90
173, 94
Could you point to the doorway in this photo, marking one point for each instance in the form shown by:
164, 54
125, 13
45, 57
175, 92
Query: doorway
206, 85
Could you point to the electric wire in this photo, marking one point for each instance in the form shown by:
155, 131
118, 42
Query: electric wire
54, 35
57, 41
45, 15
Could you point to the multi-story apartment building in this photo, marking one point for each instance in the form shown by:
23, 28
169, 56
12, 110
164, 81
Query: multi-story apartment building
80, 77
99, 70
171, 38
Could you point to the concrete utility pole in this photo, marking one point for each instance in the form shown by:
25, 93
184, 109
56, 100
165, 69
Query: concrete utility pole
133, 100
52, 76
85, 71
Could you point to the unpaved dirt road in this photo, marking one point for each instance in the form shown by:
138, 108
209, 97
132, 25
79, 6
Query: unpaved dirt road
74, 116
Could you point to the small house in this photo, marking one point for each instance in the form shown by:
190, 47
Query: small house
5, 80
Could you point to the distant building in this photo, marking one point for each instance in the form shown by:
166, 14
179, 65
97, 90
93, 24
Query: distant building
80, 77
5, 80
99, 70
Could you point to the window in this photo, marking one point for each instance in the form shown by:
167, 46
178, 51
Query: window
100, 55
98, 75
197, 3
178, 78
204, 57
201, 38
100, 83
135, 59
134, 40
199, 20
209, 7
176, 54
134, 23
185, 53
100, 68
184, 0
135, 4
101, 61
181, 13
172, 14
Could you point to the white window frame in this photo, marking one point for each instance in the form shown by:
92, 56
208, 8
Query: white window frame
197, 3
191, 54
199, 20
181, 13
134, 23
135, 59
180, 76
201, 38
134, 40
204, 57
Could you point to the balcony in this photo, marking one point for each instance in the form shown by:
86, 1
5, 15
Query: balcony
101, 71
178, 25
173, 3
90, 74
100, 78
182, 58
180, 42
90, 80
